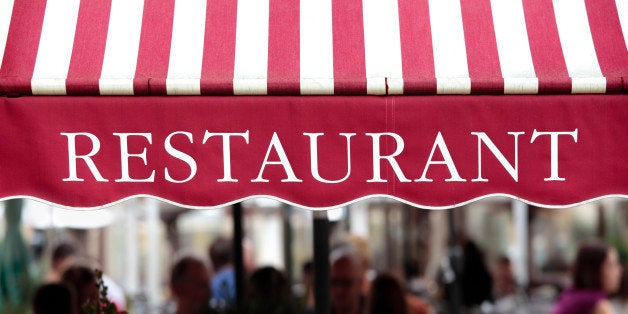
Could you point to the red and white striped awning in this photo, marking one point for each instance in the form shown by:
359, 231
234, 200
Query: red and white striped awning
260, 47
84, 150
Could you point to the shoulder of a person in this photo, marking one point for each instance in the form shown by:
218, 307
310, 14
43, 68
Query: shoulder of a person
417, 305
603, 307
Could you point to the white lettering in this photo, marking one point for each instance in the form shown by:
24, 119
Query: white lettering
447, 160
513, 171
226, 151
554, 150
181, 156
314, 156
377, 157
276, 144
125, 155
72, 157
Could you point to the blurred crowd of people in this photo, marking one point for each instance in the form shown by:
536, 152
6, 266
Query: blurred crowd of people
268, 290
207, 284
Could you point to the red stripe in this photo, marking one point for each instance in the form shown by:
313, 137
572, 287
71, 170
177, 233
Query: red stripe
482, 55
547, 53
608, 39
283, 48
88, 51
219, 49
349, 58
416, 47
20, 51
154, 51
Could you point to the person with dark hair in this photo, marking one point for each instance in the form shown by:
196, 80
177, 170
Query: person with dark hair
188, 281
477, 282
54, 298
82, 280
505, 283
66, 254
63, 255
596, 273
223, 281
268, 292
386, 296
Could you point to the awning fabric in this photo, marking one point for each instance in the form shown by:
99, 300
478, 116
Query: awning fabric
313, 102
317, 151
209, 47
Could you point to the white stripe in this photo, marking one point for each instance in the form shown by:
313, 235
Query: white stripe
515, 58
55, 47
450, 55
578, 48
585, 85
251, 48
622, 11
382, 46
123, 42
316, 50
6, 10
186, 49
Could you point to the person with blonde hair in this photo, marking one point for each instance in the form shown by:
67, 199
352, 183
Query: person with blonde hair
346, 282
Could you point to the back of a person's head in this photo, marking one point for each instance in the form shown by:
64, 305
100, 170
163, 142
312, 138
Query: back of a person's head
221, 252
182, 268
587, 268
268, 283
308, 267
82, 279
54, 298
268, 291
472, 252
63, 250
504, 260
189, 284
387, 295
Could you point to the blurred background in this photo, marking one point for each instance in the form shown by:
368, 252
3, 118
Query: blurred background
527, 250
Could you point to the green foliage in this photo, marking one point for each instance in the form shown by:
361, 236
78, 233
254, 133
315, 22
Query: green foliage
16, 283
14, 309
102, 305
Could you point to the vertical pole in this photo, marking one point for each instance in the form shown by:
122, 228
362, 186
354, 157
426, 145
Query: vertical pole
520, 214
408, 220
153, 274
287, 242
390, 243
322, 294
131, 248
531, 216
238, 256
347, 220
359, 219
455, 261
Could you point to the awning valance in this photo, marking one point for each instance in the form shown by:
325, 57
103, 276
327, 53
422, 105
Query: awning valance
318, 151
209, 47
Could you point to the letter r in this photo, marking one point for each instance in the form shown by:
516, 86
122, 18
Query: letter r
72, 156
